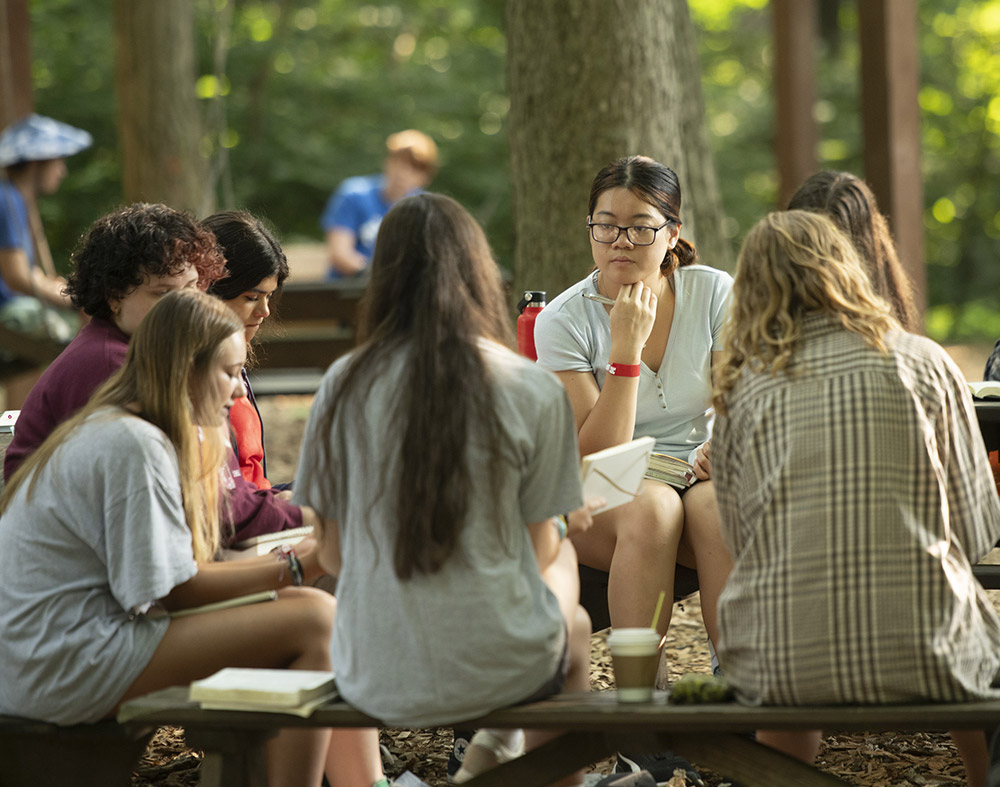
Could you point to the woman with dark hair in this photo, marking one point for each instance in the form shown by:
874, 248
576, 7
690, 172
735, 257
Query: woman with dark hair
138, 542
642, 366
439, 460
126, 262
849, 201
256, 268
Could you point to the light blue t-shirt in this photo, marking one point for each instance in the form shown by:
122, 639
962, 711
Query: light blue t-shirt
102, 535
484, 631
674, 405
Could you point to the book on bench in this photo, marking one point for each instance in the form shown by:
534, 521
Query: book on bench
298, 692
984, 389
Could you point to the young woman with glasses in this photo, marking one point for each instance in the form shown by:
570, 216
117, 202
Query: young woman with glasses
641, 365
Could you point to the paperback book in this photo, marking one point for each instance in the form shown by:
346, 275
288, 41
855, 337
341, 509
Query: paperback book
262, 544
670, 470
298, 692
985, 389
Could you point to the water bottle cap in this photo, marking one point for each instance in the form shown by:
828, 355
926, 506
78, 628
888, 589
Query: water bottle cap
533, 298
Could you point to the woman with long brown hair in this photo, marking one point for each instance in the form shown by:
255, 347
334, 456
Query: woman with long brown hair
439, 462
140, 465
851, 204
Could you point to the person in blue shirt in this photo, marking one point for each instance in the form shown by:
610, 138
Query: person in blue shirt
32, 156
354, 211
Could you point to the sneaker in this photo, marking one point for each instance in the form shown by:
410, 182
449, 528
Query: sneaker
485, 752
459, 746
636, 779
661, 766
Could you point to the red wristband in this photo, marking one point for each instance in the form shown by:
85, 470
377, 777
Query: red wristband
623, 369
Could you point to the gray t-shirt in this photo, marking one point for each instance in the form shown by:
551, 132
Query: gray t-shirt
103, 534
674, 405
484, 631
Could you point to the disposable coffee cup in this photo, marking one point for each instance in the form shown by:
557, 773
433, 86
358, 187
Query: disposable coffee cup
635, 655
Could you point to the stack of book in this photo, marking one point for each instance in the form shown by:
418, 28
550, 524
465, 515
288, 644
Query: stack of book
298, 692
676, 472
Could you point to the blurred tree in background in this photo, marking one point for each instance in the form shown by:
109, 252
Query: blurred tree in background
298, 94
960, 113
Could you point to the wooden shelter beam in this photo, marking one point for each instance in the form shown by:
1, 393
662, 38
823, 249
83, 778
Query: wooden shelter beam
795, 41
890, 81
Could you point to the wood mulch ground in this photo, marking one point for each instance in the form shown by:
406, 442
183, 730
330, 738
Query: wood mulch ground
874, 760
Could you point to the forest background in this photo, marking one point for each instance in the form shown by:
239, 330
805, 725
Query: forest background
296, 95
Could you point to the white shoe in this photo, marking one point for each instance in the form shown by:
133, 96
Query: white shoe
486, 751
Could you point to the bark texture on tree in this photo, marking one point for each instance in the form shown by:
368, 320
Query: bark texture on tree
158, 114
590, 81
16, 99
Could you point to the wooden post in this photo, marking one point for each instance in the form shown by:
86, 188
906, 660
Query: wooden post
890, 77
15, 61
795, 42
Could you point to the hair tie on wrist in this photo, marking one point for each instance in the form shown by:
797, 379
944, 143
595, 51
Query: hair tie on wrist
285, 552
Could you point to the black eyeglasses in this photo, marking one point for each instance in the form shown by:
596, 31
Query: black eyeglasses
637, 235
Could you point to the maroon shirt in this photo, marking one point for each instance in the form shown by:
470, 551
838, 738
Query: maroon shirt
92, 357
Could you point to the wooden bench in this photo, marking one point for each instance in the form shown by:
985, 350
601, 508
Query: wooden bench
594, 726
26, 352
34, 753
314, 323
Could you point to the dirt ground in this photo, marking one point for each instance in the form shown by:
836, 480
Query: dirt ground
874, 760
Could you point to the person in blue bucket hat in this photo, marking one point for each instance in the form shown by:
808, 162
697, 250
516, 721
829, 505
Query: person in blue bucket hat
32, 153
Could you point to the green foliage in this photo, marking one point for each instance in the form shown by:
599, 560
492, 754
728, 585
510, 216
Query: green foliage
960, 112
311, 89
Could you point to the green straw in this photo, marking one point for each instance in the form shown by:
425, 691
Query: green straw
659, 606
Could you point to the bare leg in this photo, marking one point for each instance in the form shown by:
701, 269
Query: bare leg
292, 632
353, 758
801, 745
974, 750
637, 545
702, 540
563, 580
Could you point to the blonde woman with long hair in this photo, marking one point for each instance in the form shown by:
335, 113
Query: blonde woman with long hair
854, 493
114, 521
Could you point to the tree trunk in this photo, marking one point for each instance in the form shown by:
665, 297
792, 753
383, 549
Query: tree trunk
16, 99
590, 81
158, 118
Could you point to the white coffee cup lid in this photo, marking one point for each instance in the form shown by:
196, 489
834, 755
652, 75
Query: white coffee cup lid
633, 636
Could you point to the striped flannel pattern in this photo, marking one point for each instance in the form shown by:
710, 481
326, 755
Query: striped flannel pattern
854, 493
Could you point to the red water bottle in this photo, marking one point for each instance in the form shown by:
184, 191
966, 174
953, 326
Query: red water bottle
529, 306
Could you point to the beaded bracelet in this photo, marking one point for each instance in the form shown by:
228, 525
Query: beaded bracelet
562, 525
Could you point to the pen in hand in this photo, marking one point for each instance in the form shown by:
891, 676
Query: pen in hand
599, 298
